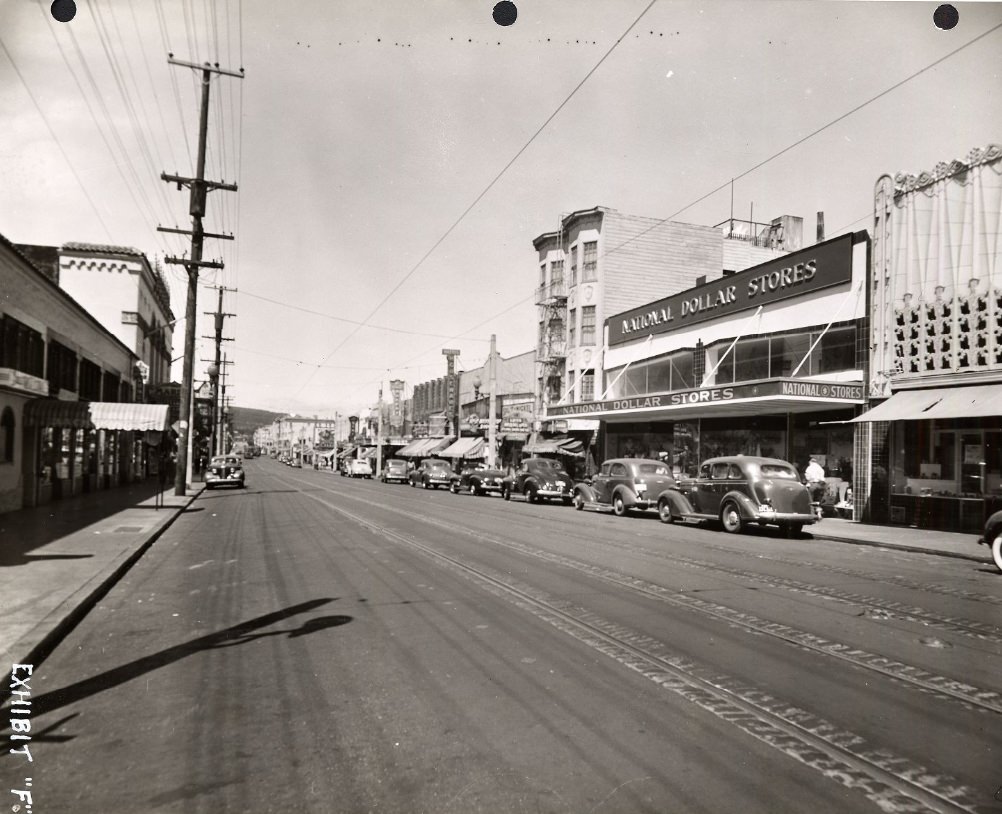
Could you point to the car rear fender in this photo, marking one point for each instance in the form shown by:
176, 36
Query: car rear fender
627, 495
586, 492
680, 504
745, 505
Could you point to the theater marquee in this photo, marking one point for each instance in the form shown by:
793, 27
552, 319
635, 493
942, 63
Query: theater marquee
821, 266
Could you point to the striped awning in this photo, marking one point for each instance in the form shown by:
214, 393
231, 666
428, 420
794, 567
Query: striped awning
558, 445
465, 448
95, 415
423, 447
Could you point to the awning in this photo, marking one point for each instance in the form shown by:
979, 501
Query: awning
536, 445
423, 447
465, 448
558, 445
975, 401
95, 415
345, 453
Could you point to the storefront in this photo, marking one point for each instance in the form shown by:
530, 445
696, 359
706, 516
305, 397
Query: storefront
769, 361
932, 444
84, 446
945, 463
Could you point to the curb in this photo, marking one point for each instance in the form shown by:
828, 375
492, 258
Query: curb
935, 552
41, 650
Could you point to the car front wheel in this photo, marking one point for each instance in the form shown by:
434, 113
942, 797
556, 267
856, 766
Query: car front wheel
618, 506
505, 493
730, 517
997, 550
454, 488
579, 502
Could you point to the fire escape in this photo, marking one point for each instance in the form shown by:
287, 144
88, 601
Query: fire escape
552, 351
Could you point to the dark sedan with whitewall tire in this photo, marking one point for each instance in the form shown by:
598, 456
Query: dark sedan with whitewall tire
477, 479
624, 484
740, 491
538, 480
224, 470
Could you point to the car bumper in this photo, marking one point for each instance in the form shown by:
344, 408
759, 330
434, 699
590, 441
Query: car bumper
217, 481
553, 492
439, 481
785, 517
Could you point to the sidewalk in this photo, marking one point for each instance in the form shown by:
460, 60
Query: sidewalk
904, 538
58, 560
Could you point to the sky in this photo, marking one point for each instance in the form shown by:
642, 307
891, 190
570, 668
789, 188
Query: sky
395, 160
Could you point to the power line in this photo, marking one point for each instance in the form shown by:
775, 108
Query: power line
809, 136
745, 173
486, 189
350, 321
55, 138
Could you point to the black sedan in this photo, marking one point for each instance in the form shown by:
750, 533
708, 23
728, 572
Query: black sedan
477, 479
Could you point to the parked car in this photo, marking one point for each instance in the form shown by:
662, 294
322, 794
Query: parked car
395, 470
359, 468
477, 479
224, 470
538, 479
623, 484
993, 538
431, 473
740, 490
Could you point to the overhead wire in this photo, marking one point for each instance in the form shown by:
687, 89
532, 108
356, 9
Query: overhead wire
56, 139
809, 136
745, 173
486, 189
149, 147
350, 321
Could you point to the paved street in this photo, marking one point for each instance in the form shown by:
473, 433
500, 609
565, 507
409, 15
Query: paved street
317, 643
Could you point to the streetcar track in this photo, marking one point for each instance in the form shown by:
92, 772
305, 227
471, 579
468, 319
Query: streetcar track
893, 783
872, 607
973, 697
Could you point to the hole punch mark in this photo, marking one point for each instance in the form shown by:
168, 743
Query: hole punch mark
946, 17
63, 10
505, 13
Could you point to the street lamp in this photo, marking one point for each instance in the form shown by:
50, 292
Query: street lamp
476, 388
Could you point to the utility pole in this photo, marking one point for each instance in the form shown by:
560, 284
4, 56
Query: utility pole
492, 386
222, 410
379, 433
196, 208
218, 316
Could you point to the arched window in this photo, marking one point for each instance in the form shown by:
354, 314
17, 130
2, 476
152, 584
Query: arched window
7, 436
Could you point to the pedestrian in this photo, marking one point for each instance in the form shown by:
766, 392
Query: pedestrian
815, 475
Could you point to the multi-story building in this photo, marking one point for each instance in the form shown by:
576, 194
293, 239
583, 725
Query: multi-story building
601, 262
768, 361
128, 296
67, 424
931, 448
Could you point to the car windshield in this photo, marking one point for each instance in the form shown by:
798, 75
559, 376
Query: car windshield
652, 469
438, 465
546, 463
778, 471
